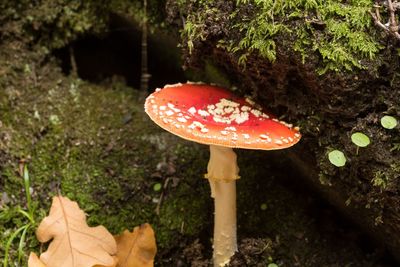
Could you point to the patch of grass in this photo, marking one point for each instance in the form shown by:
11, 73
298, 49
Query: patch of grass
23, 221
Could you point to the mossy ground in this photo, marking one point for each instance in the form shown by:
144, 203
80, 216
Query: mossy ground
95, 145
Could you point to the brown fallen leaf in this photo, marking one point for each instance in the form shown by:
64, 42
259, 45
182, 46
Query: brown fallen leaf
74, 243
115, 264
34, 261
136, 249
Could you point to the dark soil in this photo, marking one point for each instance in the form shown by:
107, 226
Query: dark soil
299, 228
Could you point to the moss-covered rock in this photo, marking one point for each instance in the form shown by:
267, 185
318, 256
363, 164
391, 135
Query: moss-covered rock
341, 34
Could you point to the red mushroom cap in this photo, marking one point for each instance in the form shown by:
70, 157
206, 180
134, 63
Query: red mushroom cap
214, 116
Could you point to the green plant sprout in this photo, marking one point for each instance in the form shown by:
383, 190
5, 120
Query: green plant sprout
396, 147
22, 231
388, 122
360, 140
157, 187
337, 158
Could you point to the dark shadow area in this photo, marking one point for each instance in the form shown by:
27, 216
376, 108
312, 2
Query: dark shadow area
327, 222
118, 53
296, 225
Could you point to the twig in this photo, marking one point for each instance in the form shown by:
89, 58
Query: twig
145, 76
391, 13
74, 68
157, 210
378, 22
392, 27
161, 196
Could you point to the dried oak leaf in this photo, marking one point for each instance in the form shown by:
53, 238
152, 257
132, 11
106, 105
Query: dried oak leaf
74, 243
115, 264
34, 261
136, 249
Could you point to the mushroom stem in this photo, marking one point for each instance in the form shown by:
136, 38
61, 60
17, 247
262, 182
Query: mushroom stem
225, 241
222, 174
212, 187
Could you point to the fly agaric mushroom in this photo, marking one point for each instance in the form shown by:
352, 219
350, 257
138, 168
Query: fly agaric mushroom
214, 116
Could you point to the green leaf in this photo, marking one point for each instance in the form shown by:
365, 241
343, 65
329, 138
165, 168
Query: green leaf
157, 187
337, 158
9, 242
388, 122
360, 139
272, 265
28, 193
22, 243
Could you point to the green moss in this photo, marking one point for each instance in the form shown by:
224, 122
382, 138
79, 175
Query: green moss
341, 34
184, 212
185, 208
386, 179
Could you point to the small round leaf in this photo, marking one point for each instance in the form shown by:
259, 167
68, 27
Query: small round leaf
157, 187
360, 139
388, 122
337, 158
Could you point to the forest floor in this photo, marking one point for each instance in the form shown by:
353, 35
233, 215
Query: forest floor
94, 144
